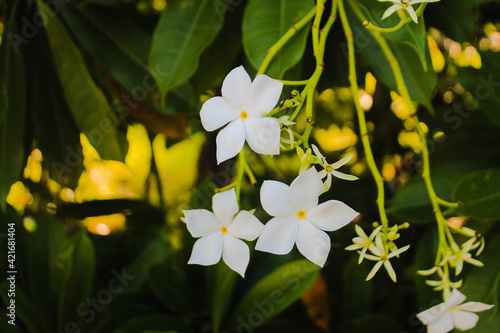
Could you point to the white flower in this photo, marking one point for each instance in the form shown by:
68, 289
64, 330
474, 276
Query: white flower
243, 105
298, 219
331, 169
404, 4
221, 233
443, 317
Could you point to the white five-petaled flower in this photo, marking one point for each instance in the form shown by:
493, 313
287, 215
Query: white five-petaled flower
404, 4
243, 105
443, 317
331, 169
221, 233
298, 219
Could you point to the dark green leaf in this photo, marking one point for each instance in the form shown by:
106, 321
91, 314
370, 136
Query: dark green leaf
123, 65
72, 277
154, 323
265, 22
359, 294
420, 82
480, 194
444, 17
483, 285
276, 291
86, 101
12, 106
25, 310
185, 29
221, 280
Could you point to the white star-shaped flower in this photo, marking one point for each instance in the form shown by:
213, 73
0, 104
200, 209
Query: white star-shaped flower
243, 105
331, 169
221, 233
298, 219
443, 317
404, 4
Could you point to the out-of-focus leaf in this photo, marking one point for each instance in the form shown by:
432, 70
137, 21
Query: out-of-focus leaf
420, 82
123, 65
72, 277
479, 193
185, 29
358, 295
221, 281
88, 104
54, 127
24, 309
276, 291
484, 84
97, 208
264, 22
425, 258
155, 322
12, 106
444, 17
483, 285
316, 302
171, 288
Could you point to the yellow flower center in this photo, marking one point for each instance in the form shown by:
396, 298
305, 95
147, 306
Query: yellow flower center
329, 168
243, 115
301, 214
223, 230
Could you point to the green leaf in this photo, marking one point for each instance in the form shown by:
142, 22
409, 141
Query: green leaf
265, 22
484, 84
419, 81
171, 288
12, 107
359, 293
154, 323
480, 194
72, 277
122, 64
25, 310
442, 16
221, 280
185, 29
483, 285
87, 102
275, 292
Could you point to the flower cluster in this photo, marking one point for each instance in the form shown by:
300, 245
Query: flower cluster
297, 216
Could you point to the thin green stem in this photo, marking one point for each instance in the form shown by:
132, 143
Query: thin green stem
447, 203
284, 39
294, 83
373, 27
370, 160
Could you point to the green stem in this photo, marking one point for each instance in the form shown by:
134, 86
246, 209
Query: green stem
373, 27
284, 39
294, 83
370, 160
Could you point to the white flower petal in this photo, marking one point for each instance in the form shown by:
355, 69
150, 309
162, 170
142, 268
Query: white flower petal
390, 270
225, 206
263, 95
443, 324
331, 215
455, 298
216, 112
279, 235
306, 188
475, 306
313, 243
374, 270
317, 153
342, 161
344, 176
464, 320
235, 254
391, 10
201, 222
322, 174
245, 226
412, 2
207, 250
263, 135
230, 140
276, 199
236, 86
328, 183
412, 13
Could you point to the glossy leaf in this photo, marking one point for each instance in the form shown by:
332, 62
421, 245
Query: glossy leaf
420, 82
276, 291
265, 22
72, 277
12, 107
185, 29
480, 194
87, 102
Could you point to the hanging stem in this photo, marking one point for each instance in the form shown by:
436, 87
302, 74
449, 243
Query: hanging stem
370, 160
